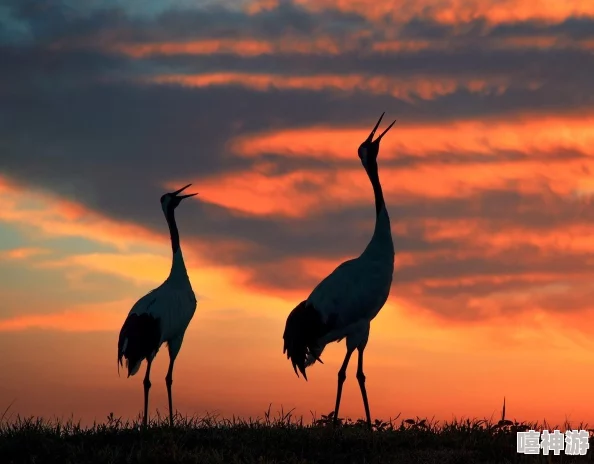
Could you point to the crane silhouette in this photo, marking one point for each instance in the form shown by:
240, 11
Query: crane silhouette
346, 301
162, 315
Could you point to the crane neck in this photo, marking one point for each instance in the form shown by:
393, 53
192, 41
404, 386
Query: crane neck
173, 232
381, 243
373, 174
178, 271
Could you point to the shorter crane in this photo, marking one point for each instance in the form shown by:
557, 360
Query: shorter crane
162, 315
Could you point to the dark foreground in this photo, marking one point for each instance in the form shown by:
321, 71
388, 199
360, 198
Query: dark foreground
267, 441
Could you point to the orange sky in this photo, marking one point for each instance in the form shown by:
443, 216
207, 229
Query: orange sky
487, 176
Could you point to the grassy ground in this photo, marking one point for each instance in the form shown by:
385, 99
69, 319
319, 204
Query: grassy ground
268, 440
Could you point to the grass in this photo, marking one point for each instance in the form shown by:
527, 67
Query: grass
279, 439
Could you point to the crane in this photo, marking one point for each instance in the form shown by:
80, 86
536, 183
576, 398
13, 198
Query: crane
162, 315
346, 301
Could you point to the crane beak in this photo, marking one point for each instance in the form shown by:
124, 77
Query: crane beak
181, 190
370, 138
384, 132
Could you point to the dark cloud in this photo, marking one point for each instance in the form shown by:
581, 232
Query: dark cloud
479, 31
476, 63
500, 209
451, 262
52, 21
470, 55
471, 283
516, 260
108, 134
49, 21
111, 147
329, 235
571, 28
72, 120
34, 76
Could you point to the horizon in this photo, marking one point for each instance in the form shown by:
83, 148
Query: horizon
261, 105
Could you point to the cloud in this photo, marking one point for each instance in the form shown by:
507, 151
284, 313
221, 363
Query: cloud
140, 268
72, 290
23, 253
487, 173
405, 89
301, 20
61, 217
520, 133
451, 11
85, 318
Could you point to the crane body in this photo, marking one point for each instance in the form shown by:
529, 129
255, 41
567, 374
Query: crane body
344, 303
162, 315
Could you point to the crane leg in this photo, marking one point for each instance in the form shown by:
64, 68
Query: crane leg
361, 379
173, 347
341, 379
147, 387
168, 382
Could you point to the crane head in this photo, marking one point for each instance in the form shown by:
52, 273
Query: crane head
369, 149
170, 201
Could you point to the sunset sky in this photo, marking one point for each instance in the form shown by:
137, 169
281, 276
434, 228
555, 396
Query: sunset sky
488, 177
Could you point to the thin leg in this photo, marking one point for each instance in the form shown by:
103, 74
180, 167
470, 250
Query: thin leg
361, 379
173, 347
341, 379
168, 382
147, 387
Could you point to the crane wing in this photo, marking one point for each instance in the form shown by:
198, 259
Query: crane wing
173, 307
355, 290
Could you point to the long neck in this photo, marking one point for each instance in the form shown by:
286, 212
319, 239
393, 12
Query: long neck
178, 273
377, 187
381, 243
170, 216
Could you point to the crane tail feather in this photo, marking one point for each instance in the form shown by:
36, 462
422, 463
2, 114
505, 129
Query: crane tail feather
303, 329
139, 339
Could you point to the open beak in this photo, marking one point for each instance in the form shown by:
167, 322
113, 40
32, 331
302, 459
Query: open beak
370, 138
181, 190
